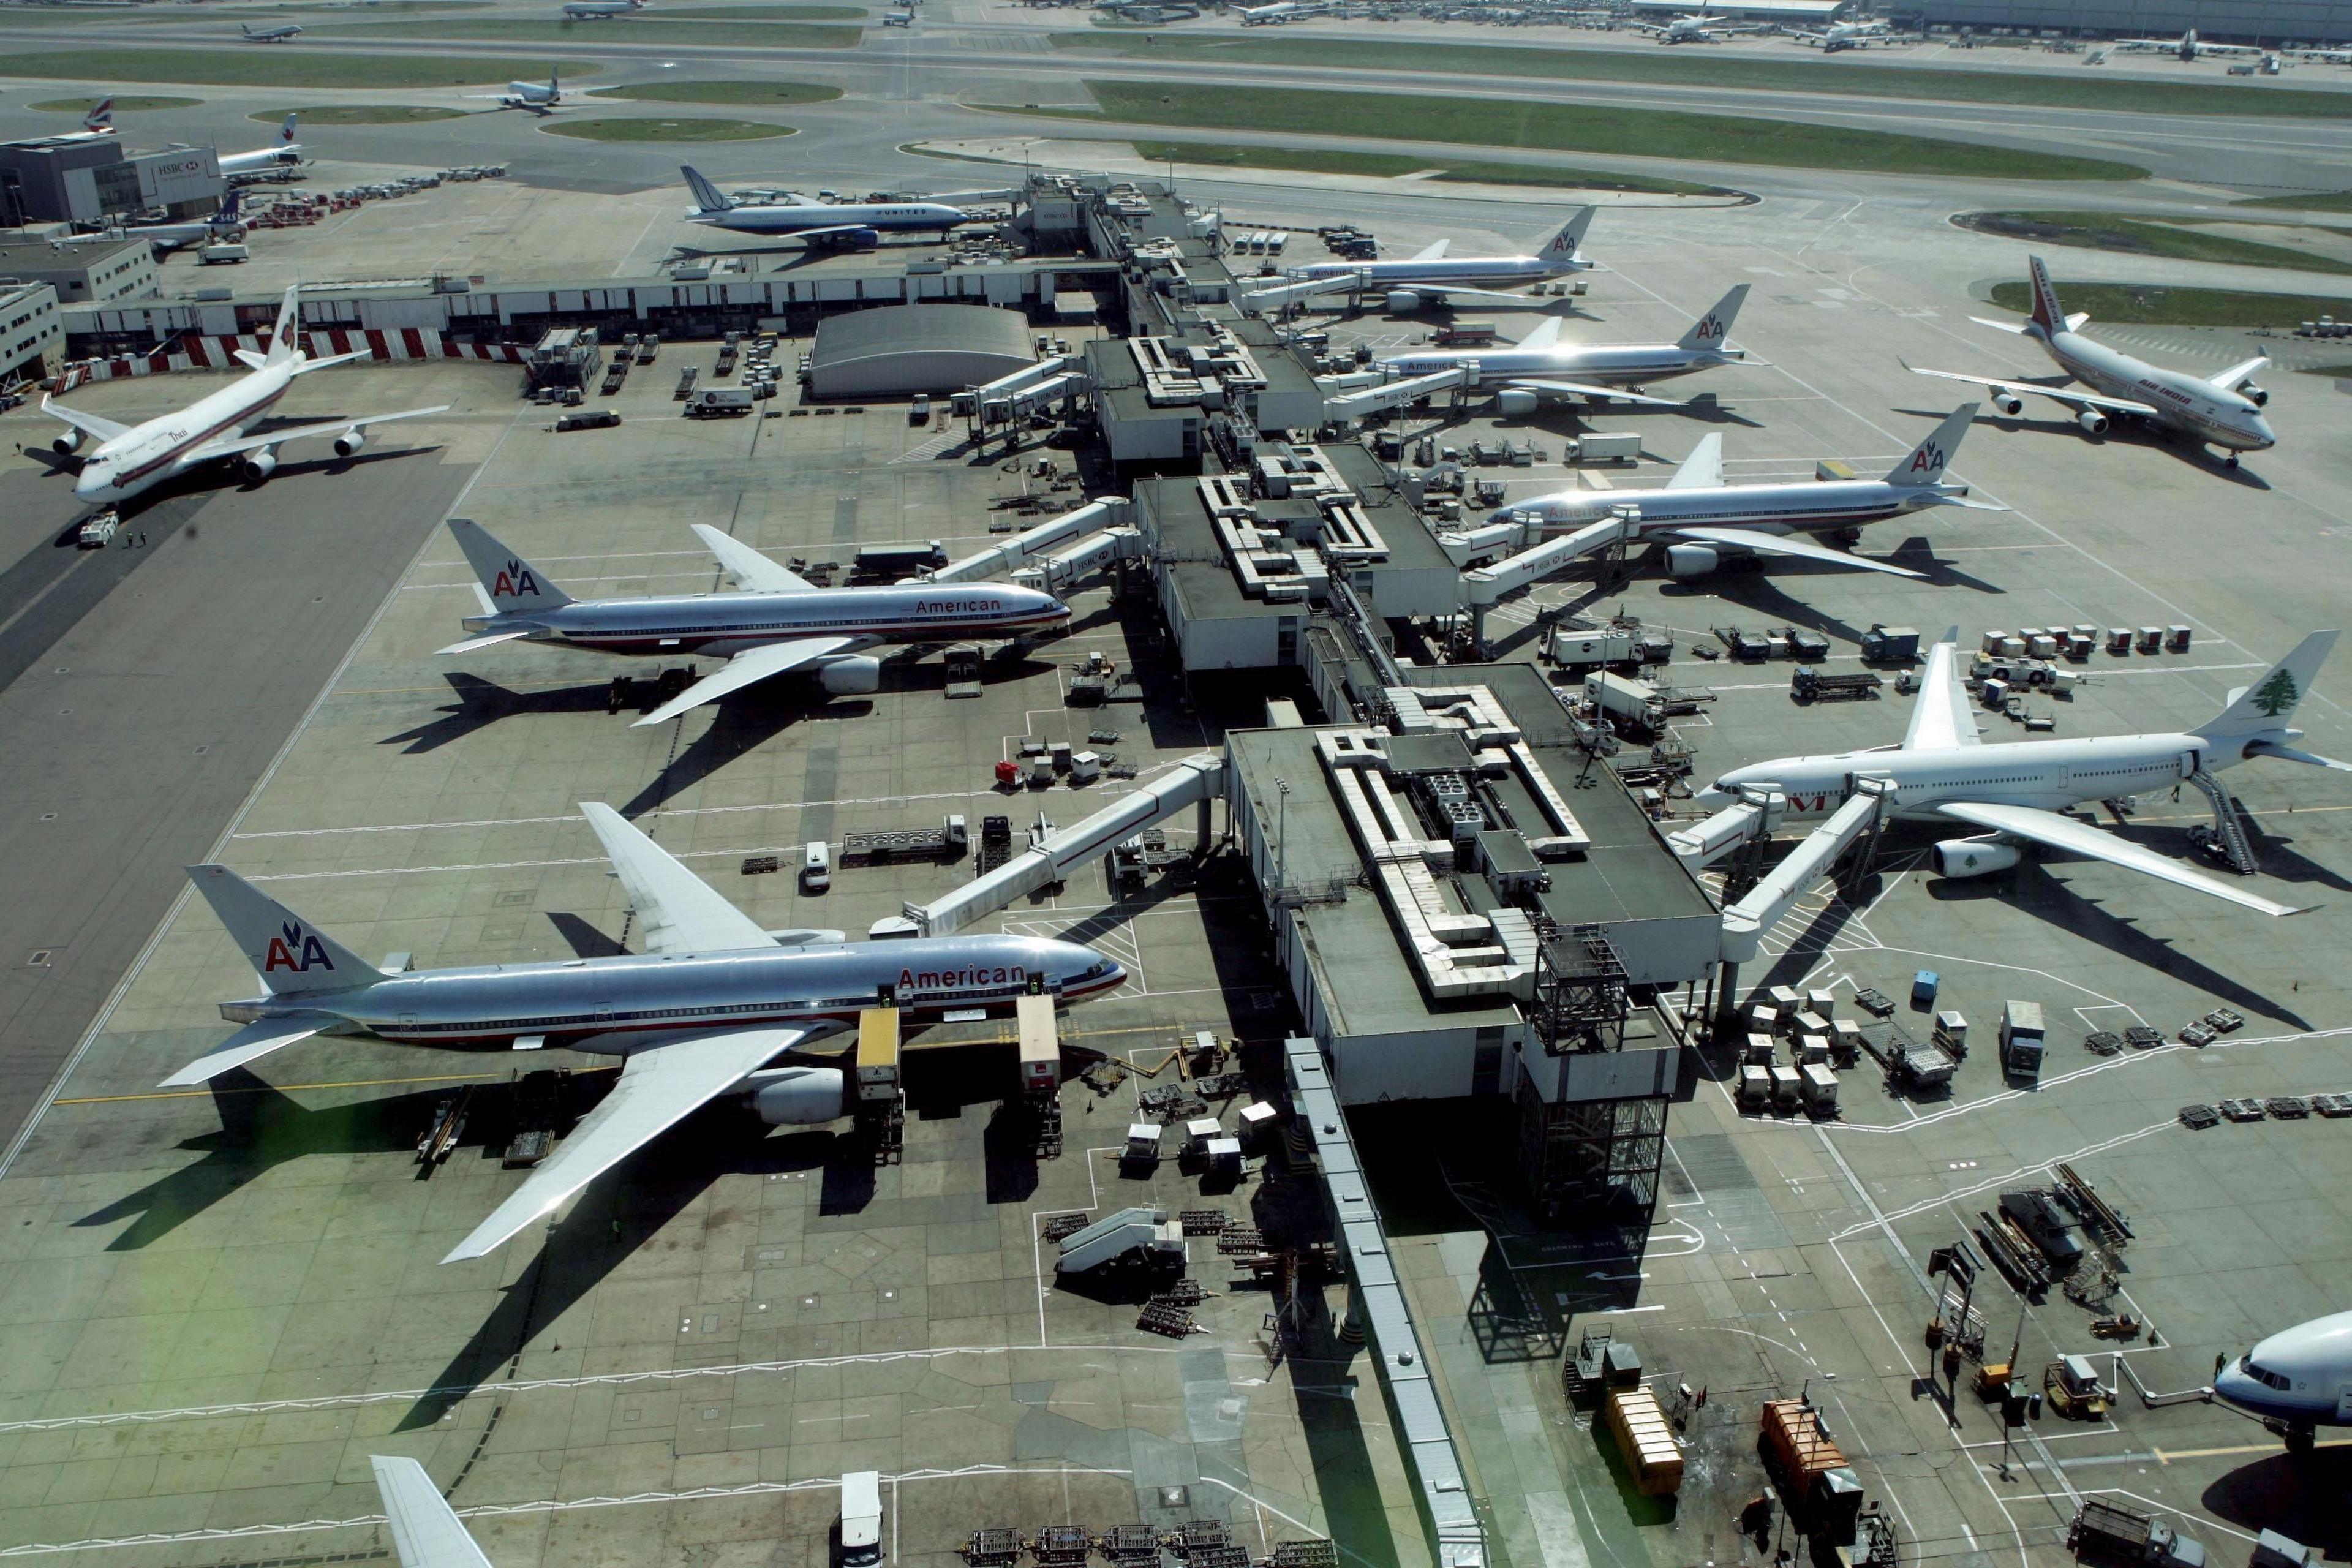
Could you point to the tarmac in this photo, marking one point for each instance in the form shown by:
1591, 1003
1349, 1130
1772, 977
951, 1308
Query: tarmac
224, 1300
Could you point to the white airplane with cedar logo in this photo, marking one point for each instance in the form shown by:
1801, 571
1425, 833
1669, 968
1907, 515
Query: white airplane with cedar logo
1540, 365
2016, 793
779, 623
130, 459
2223, 410
1431, 275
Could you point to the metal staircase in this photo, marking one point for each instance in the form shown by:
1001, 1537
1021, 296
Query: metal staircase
2229, 828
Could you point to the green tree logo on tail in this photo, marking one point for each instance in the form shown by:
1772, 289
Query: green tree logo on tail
2277, 694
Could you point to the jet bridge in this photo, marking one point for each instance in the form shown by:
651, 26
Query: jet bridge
1194, 782
1746, 921
1392, 394
1487, 584
1018, 551
1064, 567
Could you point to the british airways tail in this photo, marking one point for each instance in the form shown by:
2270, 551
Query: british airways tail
100, 118
1925, 463
509, 581
707, 196
288, 951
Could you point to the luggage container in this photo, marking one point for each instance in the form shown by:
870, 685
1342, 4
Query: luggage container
1652, 1456
1952, 1033
1924, 985
1821, 1090
2119, 639
2150, 639
1822, 1490
1755, 1087
1821, 1003
2176, 639
1812, 1050
1759, 1052
1788, 1089
2021, 1038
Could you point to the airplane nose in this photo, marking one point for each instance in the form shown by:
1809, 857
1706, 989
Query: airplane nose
1712, 798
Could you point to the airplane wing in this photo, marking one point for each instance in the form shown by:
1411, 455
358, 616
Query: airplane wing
2056, 832
1592, 394
1703, 470
1787, 545
1433, 251
746, 669
677, 910
2056, 394
87, 424
492, 640
753, 573
212, 450
426, 1531
2237, 375
660, 1087
248, 1043
1942, 716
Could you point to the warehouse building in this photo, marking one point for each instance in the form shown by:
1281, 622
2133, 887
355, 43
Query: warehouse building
91, 180
31, 337
900, 350
98, 273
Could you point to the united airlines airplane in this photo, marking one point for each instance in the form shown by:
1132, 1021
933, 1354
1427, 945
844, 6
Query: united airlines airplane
2297, 1380
779, 622
2223, 410
826, 223
132, 459
703, 1011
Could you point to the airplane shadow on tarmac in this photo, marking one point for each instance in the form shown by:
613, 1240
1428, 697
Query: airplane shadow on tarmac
481, 703
2126, 433
2300, 1496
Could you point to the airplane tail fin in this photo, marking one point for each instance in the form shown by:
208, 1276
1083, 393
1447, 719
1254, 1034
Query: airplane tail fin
286, 132
707, 196
2048, 314
288, 951
2269, 703
285, 340
513, 583
100, 117
232, 208
1712, 330
1925, 463
1564, 246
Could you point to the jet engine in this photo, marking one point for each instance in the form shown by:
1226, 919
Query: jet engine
1691, 560
2092, 421
1516, 400
2008, 403
845, 677
798, 1097
68, 444
855, 238
350, 441
1973, 856
2259, 397
1403, 301
260, 464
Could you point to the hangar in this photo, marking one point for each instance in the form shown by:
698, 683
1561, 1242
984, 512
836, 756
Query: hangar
902, 349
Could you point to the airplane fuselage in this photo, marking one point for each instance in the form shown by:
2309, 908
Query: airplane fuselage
261, 159
617, 1006
2182, 401
2300, 1377
729, 624
148, 454
792, 218
1625, 363
1809, 507
1468, 270
2048, 775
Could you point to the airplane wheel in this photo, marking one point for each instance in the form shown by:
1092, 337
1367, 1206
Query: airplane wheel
2302, 1440
2230, 461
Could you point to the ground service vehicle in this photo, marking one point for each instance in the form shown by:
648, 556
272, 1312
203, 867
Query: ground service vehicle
2113, 1536
1820, 1488
816, 866
861, 1518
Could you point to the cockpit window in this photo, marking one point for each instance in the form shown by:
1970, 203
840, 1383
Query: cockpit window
2267, 1378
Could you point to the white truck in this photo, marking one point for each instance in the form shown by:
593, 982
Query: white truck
861, 1518
719, 402
1631, 702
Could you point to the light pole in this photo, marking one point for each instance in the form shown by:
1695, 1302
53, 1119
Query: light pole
1281, 838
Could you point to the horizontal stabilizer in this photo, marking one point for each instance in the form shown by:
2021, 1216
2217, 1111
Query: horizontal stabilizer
2017, 327
250, 1044
471, 644
2293, 754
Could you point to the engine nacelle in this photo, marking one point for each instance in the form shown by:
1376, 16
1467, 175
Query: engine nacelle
260, 465
1691, 560
856, 238
2092, 421
1516, 400
2008, 403
1973, 856
68, 444
1403, 301
2259, 397
847, 677
350, 441
799, 1097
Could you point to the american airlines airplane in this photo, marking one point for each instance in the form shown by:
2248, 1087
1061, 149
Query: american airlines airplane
132, 459
825, 223
777, 623
2224, 410
263, 159
2016, 793
2297, 1380
1538, 363
1702, 521
1431, 275
285, 34
703, 1011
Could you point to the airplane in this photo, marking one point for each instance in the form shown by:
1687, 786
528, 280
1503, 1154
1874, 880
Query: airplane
131, 459
98, 122
820, 223
1698, 30
287, 150
774, 624
599, 10
703, 1011
1943, 773
1430, 275
285, 34
2295, 1381
1701, 521
226, 224
1845, 36
426, 1531
527, 94
1606, 373
1276, 15
2187, 47
2222, 410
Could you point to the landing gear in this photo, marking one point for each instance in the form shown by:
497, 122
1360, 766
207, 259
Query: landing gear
2230, 460
2299, 1439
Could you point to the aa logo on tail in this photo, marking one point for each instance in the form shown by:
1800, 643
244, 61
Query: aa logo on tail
1928, 458
1710, 328
295, 949
515, 581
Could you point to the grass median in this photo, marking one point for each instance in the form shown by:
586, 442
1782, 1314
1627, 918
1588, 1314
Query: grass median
1576, 128
2146, 236
710, 35
125, 103
764, 94
1389, 165
2135, 304
668, 130
1679, 68
358, 114
2332, 202
275, 67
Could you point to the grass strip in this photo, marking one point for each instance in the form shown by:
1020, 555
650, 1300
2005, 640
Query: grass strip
1389, 165
274, 67
2138, 237
125, 103
2333, 201
515, 30
668, 130
768, 94
359, 114
2136, 304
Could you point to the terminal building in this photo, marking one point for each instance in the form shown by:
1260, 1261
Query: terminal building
895, 351
32, 340
93, 180
97, 272
2265, 22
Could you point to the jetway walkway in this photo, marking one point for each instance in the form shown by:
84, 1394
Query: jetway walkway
1745, 923
1194, 782
1108, 512
1392, 394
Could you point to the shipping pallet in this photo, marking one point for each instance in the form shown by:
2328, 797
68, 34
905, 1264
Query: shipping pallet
1064, 1225
2196, 1118
992, 1549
